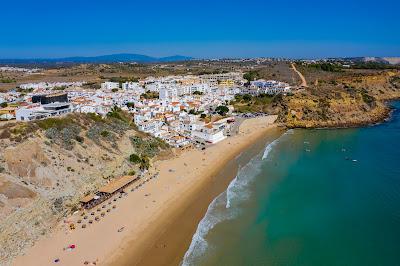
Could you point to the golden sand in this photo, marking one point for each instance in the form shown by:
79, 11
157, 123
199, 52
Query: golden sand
137, 226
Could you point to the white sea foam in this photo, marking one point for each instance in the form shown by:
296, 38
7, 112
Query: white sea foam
271, 145
237, 188
225, 206
268, 149
199, 245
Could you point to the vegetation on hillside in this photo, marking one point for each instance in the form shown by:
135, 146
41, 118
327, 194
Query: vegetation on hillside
6, 79
330, 67
123, 79
252, 104
222, 110
68, 130
150, 95
374, 65
251, 76
145, 149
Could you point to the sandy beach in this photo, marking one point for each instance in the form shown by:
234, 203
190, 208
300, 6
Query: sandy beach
138, 231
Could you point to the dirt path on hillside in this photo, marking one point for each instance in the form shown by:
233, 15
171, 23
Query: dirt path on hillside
303, 80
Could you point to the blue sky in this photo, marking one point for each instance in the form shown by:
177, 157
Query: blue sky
202, 29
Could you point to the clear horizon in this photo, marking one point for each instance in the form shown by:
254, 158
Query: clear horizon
234, 29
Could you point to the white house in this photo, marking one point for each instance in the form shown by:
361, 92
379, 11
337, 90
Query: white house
109, 85
168, 93
43, 111
209, 133
269, 86
133, 86
151, 127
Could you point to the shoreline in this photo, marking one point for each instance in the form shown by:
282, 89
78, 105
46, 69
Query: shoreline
169, 243
146, 214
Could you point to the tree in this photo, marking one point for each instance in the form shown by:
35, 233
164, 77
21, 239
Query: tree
115, 112
238, 97
250, 76
247, 97
132, 172
134, 158
222, 110
203, 116
150, 95
145, 163
3, 105
130, 105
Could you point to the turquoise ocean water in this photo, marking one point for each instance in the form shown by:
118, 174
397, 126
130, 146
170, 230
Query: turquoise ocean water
312, 197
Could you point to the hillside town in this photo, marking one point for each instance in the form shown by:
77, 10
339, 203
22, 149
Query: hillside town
177, 109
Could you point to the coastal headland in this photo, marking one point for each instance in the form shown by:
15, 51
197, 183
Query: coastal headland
136, 231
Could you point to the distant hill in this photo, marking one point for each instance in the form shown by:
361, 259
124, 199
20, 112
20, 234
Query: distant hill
384, 60
112, 58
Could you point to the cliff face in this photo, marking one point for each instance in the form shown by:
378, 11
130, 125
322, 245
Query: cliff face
343, 102
44, 172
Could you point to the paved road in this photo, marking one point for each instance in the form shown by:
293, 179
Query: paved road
303, 80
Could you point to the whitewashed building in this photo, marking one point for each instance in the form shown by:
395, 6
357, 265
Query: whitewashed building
109, 85
43, 111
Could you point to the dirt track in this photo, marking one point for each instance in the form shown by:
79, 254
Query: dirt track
303, 80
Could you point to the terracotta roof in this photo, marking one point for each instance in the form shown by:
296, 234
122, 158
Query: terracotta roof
117, 184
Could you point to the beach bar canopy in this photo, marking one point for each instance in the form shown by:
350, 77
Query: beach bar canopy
88, 198
107, 191
117, 184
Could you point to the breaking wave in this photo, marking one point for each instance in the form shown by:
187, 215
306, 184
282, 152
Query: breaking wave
225, 206
270, 146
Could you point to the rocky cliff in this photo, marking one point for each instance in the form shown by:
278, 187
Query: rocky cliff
340, 102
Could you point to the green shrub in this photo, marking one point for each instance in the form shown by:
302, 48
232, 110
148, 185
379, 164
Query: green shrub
79, 139
105, 133
145, 163
58, 123
134, 158
132, 172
